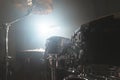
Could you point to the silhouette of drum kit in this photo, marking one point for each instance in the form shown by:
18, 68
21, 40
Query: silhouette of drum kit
91, 54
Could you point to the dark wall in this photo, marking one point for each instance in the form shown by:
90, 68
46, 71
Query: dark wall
2, 54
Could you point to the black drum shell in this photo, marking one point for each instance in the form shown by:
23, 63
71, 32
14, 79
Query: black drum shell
99, 41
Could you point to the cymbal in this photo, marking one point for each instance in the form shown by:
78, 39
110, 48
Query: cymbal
38, 6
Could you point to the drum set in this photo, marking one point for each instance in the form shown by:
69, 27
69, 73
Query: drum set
66, 63
87, 55
91, 54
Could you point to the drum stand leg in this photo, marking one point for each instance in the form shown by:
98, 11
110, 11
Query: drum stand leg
53, 72
53, 65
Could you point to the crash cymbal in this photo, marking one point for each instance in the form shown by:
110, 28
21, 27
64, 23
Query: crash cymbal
38, 6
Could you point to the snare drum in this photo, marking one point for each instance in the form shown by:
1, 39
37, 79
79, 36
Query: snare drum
56, 44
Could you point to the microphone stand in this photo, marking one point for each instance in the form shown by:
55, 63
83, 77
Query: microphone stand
8, 25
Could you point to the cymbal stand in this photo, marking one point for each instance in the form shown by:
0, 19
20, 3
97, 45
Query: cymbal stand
7, 27
53, 65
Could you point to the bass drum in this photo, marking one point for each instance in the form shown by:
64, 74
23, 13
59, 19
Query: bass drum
97, 42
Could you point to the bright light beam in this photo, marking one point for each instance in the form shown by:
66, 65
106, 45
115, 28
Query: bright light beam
48, 30
45, 28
